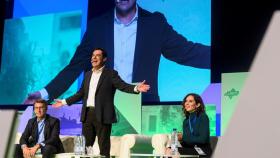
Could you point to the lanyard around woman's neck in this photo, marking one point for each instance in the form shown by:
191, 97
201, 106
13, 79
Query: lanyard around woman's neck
190, 124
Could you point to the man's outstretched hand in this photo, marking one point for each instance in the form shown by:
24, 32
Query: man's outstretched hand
32, 97
58, 103
142, 87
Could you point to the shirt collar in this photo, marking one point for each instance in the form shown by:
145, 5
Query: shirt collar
132, 20
99, 70
41, 120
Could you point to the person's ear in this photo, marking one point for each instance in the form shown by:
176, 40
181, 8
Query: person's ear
198, 105
104, 59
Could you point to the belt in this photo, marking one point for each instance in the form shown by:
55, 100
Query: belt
90, 108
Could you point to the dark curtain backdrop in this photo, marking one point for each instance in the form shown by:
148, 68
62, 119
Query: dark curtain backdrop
237, 30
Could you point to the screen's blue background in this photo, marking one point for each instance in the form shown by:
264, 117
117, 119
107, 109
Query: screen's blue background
38, 43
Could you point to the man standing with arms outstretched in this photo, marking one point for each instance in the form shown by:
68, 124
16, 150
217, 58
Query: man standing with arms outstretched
97, 92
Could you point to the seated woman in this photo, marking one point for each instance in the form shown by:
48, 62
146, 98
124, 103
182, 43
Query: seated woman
196, 131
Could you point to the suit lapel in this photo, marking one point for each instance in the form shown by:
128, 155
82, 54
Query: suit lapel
109, 33
140, 40
47, 127
87, 81
35, 130
103, 75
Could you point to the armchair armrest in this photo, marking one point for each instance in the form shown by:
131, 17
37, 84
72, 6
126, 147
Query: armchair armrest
159, 143
135, 143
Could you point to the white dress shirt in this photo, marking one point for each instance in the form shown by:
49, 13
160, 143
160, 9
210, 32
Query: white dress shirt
93, 86
95, 76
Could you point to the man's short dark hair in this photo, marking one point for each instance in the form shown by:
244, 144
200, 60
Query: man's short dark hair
104, 53
42, 101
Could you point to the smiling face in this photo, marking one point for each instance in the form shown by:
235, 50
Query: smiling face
125, 6
190, 104
97, 59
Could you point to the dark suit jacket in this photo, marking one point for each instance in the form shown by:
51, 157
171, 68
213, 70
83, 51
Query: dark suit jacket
108, 82
51, 133
154, 37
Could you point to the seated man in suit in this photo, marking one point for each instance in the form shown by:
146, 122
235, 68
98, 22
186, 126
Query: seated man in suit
41, 132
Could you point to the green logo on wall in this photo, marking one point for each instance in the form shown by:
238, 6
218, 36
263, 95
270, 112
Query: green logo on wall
231, 93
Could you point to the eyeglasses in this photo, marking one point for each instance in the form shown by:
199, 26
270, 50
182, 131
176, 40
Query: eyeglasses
36, 108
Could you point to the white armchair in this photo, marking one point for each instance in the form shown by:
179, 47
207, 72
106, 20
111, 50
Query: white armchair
121, 146
135, 143
68, 144
159, 143
115, 146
